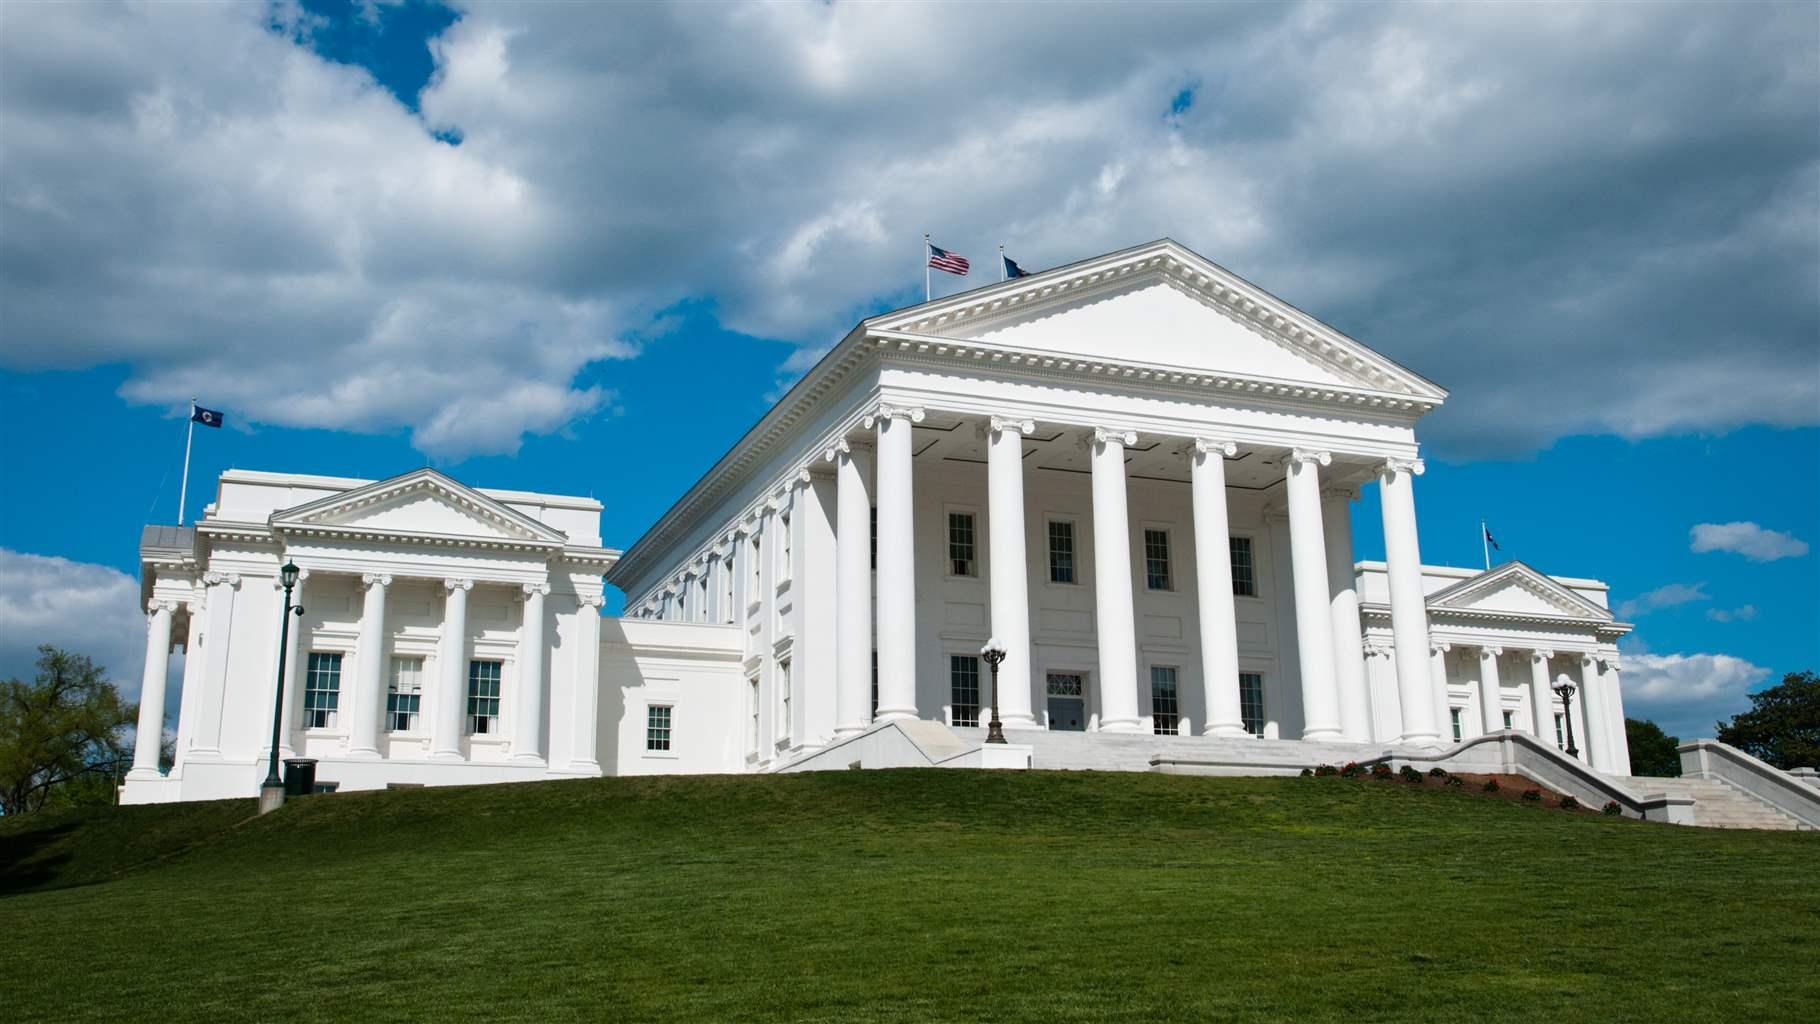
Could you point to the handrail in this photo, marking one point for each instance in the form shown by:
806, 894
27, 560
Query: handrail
1710, 759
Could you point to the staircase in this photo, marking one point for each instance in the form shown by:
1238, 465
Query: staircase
1129, 752
1717, 805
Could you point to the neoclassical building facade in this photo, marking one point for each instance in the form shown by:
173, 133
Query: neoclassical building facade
1137, 473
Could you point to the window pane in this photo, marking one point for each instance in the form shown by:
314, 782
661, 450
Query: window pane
1156, 559
483, 696
322, 690
964, 689
1244, 577
960, 544
1453, 715
1061, 552
1251, 702
1164, 706
404, 695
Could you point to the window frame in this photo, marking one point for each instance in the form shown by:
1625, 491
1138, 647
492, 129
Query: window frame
394, 696
949, 514
1144, 534
1089, 716
1251, 564
1457, 717
331, 719
1174, 713
473, 700
956, 690
782, 680
668, 728
1050, 522
1262, 717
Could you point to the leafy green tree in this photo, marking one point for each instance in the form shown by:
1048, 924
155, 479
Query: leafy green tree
61, 735
1783, 724
1652, 751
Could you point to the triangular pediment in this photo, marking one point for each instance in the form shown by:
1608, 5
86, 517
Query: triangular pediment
1161, 305
1515, 589
424, 503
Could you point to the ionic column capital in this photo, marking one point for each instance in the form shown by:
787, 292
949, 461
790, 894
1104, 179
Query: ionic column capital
1108, 435
1590, 660
1391, 467
884, 411
157, 605
1001, 424
453, 584
591, 600
1210, 446
1308, 456
213, 578
1439, 647
1541, 654
1490, 652
1374, 649
379, 580
539, 589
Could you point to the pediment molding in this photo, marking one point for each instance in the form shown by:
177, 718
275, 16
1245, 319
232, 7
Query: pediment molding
1466, 595
341, 514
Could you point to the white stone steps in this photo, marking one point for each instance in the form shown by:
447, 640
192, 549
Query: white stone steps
1718, 805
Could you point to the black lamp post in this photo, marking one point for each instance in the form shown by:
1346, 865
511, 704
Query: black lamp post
1565, 691
994, 652
271, 793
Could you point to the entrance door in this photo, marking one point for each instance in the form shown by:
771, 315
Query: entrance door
1067, 702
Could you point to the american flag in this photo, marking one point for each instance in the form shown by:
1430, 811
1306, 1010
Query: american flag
947, 262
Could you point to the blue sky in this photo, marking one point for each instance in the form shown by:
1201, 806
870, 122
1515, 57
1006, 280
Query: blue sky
578, 250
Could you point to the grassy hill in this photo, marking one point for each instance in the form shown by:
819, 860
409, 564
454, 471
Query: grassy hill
899, 896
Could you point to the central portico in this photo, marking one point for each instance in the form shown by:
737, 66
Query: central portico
1136, 472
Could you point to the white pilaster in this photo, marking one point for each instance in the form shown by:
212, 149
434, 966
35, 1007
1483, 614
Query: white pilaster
1541, 696
1314, 622
223, 601
818, 607
298, 652
1595, 742
1408, 606
584, 719
1614, 698
896, 562
1008, 569
853, 585
527, 717
452, 666
369, 670
1491, 703
151, 689
1343, 611
1435, 694
1114, 616
1221, 714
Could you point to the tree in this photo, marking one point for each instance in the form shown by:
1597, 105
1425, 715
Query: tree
60, 735
1652, 751
1783, 724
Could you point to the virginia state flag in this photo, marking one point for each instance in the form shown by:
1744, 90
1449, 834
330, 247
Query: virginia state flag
1012, 270
206, 417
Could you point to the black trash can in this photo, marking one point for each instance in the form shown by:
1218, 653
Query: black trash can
299, 776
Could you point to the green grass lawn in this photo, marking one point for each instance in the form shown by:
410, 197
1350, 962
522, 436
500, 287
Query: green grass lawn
903, 896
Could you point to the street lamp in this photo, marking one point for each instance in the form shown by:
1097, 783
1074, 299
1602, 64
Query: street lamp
994, 652
1565, 691
271, 793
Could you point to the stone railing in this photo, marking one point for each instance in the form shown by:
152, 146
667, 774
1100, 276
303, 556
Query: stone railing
1710, 759
1519, 753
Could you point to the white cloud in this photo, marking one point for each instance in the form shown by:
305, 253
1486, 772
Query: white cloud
1686, 693
1742, 613
1485, 193
1662, 597
83, 608
1747, 539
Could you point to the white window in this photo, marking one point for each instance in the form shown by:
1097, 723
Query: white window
757, 590
1251, 702
1244, 573
1458, 730
1509, 720
1165, 708
682, 602
963, 690
322, 691
1061, 551
729, 576
701, 603
874, 683
1560, 733
783, 547
783, 697
1156, 560
657, 727
752, 714
404, 695
483, 697
962, 550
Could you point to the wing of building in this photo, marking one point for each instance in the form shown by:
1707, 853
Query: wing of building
1135, 473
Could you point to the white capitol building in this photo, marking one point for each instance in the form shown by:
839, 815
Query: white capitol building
1136, 472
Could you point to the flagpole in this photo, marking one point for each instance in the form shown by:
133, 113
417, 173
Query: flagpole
1485, 542
1001, 264
927, 288
188, 436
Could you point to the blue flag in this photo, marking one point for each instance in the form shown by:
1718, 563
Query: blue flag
1012, 269
206, 417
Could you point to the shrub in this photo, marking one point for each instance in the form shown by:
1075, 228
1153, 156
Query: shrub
1326, 769
1381, 771
1352, 770
1533, 796
1411, 775
1568, 803
1455, 780
1307, 772
1437, 772
1612, 809
1491, 786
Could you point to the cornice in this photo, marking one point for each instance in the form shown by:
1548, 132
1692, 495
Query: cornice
425, 480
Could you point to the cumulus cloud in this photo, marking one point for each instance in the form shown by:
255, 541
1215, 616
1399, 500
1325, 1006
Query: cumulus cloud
1487, 193
80, 607
1662, 597
1747, 539
1742, 613
1686, 693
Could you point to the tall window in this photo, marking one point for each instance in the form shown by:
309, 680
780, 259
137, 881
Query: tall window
702, 596
875, 684
758, 575
1560, 733
657, 727
729, 577
1244, 575
875, 537
1156, 560
682, 603
483, 697
1251, 702
1509, 722
783, 547
964, 689
1453, 715
1165, 709
1061, 551
322, 691
783, 697
404, 695
752, 713
960, 544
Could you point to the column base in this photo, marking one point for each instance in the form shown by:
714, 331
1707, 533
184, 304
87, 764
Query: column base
446, 755
1226, 732
893, 715
1131, 726
1420, 739
1019, 722
535, 760
144, 775
364, 754
585, 769
842, 732
1323, 734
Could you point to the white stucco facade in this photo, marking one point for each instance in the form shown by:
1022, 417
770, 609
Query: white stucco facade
1137, 472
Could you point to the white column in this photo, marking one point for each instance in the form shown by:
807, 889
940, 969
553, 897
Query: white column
1541, 696
527, 717
151, 689
853, 590
452, 665
1009, 569
1593, 748
1491, 703
1436, 695
1220, 714
1313, 620
1343, 611
584, 757
896, 564
369, 670
1620, 739
1408, 605
1114, 616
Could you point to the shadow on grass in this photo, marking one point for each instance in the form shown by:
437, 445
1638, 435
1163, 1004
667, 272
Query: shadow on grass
23, 864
